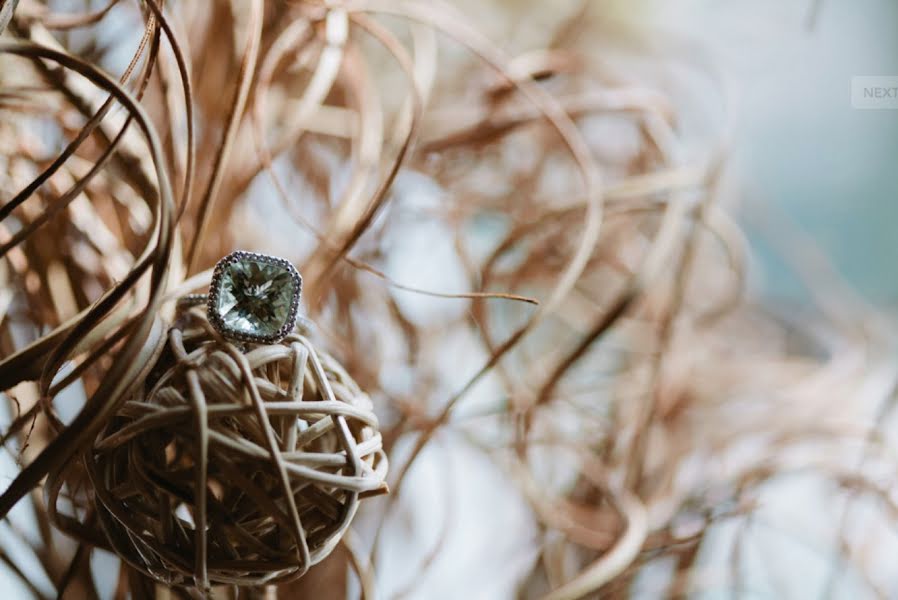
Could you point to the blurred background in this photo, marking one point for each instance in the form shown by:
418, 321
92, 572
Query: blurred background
704, 410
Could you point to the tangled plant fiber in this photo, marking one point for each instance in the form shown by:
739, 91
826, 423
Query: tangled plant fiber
240, 467
598, 295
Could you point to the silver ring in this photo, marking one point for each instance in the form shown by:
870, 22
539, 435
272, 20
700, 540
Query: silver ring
253, 297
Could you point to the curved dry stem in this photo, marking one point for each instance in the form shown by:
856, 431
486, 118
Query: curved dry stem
241, 94
139, 347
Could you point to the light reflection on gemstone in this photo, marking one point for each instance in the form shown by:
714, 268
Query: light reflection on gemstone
255, 297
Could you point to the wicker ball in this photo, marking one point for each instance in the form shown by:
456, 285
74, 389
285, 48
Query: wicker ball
235, 465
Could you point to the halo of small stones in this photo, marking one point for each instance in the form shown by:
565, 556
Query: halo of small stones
215, 290
235, 467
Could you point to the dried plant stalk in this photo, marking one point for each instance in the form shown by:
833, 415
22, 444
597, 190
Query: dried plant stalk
594, 281
230, 466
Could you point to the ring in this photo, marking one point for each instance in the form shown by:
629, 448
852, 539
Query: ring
253, 297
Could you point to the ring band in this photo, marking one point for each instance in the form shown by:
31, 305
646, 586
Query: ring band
191, 300
253, 297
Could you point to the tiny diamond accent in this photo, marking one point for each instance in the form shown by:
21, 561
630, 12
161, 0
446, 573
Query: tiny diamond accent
254, 297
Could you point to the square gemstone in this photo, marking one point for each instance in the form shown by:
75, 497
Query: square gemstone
254, 297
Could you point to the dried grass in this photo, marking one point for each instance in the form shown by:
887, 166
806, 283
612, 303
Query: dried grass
608, 302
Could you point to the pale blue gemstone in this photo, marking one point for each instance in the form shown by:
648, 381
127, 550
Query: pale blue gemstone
255, 297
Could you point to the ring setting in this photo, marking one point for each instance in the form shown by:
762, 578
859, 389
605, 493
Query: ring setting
253, 297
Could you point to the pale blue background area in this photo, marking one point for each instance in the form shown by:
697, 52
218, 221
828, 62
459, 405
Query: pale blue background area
802, 148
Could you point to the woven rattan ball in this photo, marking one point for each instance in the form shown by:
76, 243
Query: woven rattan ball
235, 465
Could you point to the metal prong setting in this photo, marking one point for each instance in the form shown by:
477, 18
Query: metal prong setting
211, 299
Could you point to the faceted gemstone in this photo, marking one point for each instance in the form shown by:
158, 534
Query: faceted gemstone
255, 297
